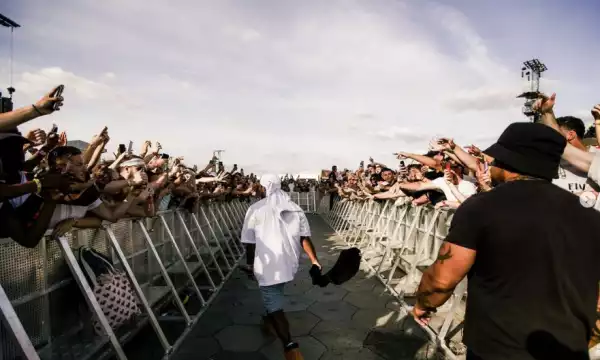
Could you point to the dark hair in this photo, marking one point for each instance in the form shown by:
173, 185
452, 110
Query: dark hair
61, 151
414, 166
572, 123
432, 153
386, 169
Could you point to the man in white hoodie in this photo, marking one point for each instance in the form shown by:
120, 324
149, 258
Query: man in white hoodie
275, 232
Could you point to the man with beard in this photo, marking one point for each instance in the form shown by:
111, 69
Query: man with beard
529, 250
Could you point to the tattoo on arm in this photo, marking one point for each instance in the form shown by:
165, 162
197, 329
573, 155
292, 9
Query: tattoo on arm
444, 255
424, 301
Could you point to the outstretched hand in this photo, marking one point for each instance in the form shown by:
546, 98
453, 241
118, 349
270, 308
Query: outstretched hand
46, 105
544, 104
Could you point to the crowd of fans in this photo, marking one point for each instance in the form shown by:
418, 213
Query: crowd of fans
289, 184
45, 183
448, 173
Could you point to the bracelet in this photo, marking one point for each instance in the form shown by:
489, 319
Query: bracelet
38, 185
37, 110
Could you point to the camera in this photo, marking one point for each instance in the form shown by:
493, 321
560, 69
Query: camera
6, 104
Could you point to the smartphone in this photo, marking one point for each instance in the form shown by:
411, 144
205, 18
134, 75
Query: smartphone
402, 163
122, 148
485, 166
130, 148
54, 129
164, 156
57, 93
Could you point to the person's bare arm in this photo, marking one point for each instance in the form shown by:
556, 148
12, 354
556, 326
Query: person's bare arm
580, 159
309, 249
96, 156
12, 191
30, 236
425, 160
459, 196
113, 215
12, 119
418, 186
393, 193
90, 222
441, 278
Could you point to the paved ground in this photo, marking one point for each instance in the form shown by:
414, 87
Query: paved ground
354, 321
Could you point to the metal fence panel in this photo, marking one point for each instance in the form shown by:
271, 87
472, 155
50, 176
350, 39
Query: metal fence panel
39, 286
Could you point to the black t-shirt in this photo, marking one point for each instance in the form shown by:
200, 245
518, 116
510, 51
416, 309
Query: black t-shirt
533, 288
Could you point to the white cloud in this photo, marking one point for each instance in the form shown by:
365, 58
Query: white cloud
283, 86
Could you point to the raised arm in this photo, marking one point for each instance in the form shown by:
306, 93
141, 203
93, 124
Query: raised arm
425, 160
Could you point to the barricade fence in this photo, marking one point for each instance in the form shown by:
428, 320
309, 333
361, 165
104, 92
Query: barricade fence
398, 242
306, 200
48, 307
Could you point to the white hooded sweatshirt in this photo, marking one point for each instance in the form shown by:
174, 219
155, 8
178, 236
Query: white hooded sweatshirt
275, 224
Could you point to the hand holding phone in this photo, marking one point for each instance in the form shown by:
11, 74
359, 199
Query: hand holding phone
122, 149
58, 94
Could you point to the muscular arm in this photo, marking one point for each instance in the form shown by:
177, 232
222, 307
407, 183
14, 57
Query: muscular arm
441, 278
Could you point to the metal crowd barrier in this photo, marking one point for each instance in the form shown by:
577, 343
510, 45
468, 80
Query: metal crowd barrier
43, 290
306, 200
398, 242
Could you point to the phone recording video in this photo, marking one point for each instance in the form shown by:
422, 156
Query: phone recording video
122, 148
164, 156
58, 93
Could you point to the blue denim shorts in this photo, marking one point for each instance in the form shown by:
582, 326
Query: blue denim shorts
273, 297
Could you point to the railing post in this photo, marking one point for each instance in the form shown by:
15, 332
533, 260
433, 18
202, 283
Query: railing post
196, 251
89, 297
14, 325
165, 275
138, 290
216, 239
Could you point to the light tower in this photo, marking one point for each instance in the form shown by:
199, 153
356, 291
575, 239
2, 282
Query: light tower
6, 103
217, 154
533, 70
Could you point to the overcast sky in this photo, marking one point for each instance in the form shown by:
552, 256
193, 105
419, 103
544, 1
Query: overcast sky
295, 86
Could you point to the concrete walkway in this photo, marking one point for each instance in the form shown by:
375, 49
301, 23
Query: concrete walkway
357, 320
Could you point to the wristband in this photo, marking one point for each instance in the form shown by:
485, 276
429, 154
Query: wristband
38, 185
37, 110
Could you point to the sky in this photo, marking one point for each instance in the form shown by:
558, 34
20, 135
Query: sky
296, 86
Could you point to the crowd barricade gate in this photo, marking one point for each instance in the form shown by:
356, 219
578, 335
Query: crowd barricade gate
306, 200
40, 286
398, 242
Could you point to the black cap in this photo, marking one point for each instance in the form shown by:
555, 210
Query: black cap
530, 149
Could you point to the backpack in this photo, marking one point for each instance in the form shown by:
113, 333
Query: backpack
111, 288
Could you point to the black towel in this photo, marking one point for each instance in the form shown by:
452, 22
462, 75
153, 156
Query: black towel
344, 269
